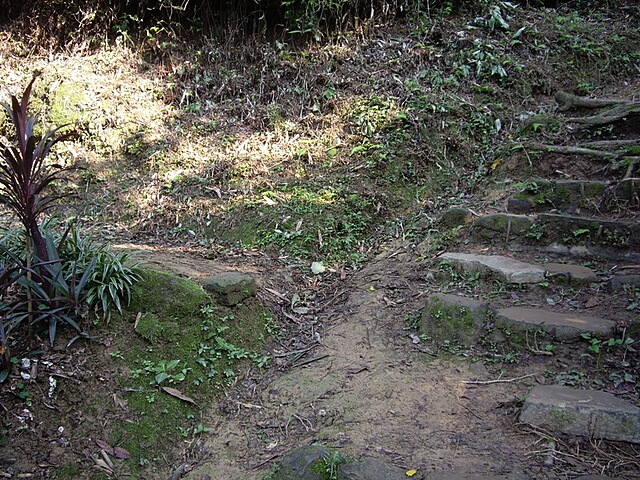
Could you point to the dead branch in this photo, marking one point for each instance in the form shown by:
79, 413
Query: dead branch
611, 144
568, 101
499, 380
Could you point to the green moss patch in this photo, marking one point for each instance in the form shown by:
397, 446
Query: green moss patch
450, 319
177, 339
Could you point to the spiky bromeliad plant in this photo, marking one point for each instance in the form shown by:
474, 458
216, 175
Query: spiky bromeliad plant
25, 173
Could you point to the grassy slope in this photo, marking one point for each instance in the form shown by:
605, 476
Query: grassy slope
313, 149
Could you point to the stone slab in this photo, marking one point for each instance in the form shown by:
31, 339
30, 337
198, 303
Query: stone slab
507, 268
618, 282
564, 326
573, 272
372, 469
230, 288
588, 413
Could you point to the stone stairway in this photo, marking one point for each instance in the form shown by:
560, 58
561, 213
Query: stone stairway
538, 240
467, 321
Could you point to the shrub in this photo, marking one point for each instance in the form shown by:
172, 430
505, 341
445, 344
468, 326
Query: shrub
25, 176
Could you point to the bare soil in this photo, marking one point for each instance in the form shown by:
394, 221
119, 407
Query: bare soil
348, 376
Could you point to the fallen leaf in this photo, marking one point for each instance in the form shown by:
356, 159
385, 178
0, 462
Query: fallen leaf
107, 460
102, 465
118, 402
295, 298
277, 294
105, 446
317, 268
120, 452
411, 473
178, 394
592, 302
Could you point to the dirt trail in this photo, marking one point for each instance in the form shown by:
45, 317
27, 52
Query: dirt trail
373, 394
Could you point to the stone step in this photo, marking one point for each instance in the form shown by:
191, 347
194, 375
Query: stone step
588, 413
506, 268
546, 229
512, 270
578, 197
563, 326
463, 320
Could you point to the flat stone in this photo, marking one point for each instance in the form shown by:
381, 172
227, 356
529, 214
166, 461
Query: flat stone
230, 288
564, 326
588, 413
618, 282
372, 469
509, 269
572, 272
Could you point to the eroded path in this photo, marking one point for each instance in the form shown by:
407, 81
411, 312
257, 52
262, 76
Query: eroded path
368, 391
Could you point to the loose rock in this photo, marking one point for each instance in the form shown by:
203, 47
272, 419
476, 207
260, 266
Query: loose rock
564, 326
230, 288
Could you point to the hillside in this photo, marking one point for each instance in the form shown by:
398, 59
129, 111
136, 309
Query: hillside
370, 151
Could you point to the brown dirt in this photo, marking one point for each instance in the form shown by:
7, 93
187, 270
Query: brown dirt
362, 387
369, 391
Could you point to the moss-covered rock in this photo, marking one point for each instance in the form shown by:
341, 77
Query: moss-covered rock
68, 104
455, 217
453, 318
500, 225
230, 288
167, 295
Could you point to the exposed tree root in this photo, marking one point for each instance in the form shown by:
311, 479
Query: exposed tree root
571, 150
567, 101
609, 116
620, 152
611, 144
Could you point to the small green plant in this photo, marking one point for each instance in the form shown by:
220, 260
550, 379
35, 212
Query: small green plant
328, 466
594, 344
112, 276
536, 231
162, 371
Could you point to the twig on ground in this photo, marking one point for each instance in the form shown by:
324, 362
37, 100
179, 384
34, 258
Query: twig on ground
271, 458
311, 360
499, 380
